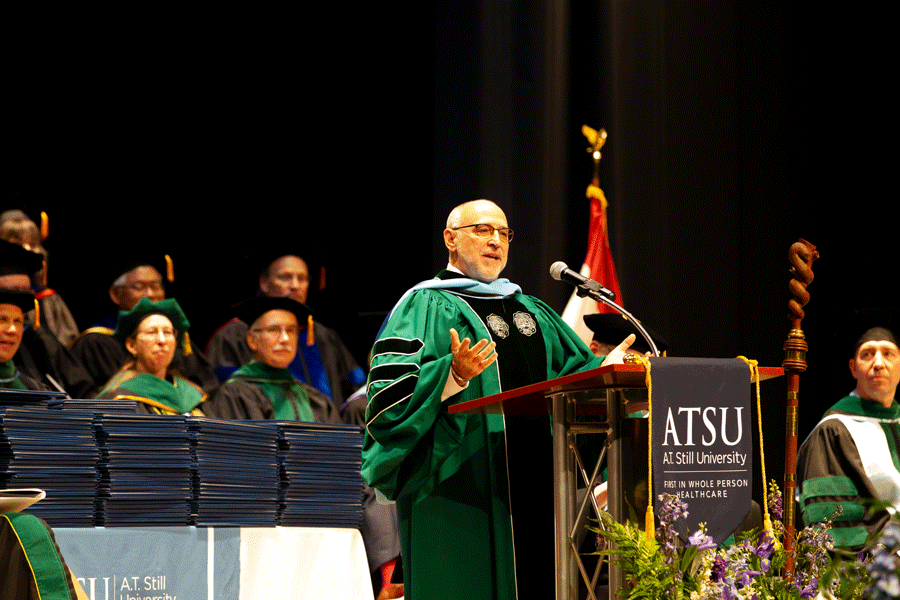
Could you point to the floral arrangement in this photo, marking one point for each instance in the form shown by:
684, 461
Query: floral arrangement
753, 568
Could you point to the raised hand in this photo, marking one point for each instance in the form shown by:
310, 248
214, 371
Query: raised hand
469, 361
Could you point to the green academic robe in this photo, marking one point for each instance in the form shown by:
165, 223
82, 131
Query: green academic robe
260, 391
851, 456
13, 379
448, 473
31, 566
157, 396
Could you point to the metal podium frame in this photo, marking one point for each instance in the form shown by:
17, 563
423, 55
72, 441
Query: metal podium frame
592, 392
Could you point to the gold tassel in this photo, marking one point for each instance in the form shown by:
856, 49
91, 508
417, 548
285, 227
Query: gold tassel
767, 519
45, 225
170, 269
37, 314
649, 523
310, 337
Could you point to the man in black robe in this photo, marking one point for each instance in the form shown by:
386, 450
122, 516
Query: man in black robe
40, 358
322, 361
265, 388
102, 355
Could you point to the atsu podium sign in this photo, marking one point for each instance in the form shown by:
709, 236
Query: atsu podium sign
703, 440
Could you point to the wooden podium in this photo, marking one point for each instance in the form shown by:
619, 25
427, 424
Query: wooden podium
588, 393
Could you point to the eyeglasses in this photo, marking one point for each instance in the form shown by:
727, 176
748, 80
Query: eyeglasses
154, 332
276, 331
483, 230
141, 287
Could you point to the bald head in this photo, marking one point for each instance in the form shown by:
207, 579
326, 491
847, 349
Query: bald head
480, 253
458, 216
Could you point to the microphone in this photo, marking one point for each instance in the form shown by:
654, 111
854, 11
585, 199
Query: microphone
560, 271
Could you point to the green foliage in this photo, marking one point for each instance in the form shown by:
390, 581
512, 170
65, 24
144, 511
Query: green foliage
662, 568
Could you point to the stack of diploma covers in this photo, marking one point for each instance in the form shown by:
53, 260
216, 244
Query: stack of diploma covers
322, 485
100, 466
56, 451
29, 398
146, 469
237, 472
96, 404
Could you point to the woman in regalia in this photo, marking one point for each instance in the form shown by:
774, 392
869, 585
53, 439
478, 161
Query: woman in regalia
150, 332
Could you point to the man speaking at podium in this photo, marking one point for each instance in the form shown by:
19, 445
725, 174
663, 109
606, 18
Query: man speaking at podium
473, 492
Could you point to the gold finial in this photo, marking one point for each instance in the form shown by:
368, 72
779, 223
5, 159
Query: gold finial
596, 139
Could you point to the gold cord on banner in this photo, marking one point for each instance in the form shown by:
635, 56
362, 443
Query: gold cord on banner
649, 525
767, 520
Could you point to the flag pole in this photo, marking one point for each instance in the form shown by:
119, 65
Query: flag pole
598, 263
801, 256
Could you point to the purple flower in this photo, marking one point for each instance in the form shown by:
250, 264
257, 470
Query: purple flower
776, 502
719, 570
701, 540
745, 578
810, 590
778, 508
671, 510
766, 547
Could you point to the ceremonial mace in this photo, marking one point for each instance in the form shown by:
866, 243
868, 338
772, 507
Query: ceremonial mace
801, 256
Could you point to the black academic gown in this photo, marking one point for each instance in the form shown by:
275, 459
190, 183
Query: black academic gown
227, 350
41, 354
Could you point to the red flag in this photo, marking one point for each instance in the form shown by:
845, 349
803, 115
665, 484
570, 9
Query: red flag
598, 265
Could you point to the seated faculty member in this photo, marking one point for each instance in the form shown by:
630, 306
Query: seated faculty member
150, 332
851, 457
322, 359
41, 356
265, 388
13, 306
137, 276
52, 311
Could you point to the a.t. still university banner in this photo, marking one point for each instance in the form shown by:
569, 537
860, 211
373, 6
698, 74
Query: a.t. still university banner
221, 563
703, 440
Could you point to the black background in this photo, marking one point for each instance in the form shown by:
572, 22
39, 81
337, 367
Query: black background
734, 129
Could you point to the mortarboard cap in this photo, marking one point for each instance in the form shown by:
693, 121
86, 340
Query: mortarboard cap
251, 309
16, 260
128, 320
159, 260
260, 260
24, 300
871, 324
